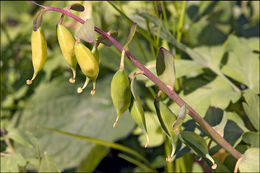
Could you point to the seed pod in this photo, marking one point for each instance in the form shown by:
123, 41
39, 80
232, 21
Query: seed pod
137, 114
166, 118
95, 53
39, 52
67, 42
88, 64
120, 93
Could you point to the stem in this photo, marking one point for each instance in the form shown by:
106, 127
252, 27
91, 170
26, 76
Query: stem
7, 141
171, 93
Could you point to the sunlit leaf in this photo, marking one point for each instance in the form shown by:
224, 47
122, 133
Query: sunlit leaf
48, 164
250, 161
86, 31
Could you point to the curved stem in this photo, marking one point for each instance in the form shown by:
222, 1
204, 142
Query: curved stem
171, 93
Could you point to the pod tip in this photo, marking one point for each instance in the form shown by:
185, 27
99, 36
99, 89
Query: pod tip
168, 159
72, 80
79, 90
28, 82
92, 92
115, 123
147, 141
214, 166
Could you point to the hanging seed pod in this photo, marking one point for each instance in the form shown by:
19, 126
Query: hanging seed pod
67, 42
39, 52
95, 53
88, 64
137, 111
166, 118
120, 93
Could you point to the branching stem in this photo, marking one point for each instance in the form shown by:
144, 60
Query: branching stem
171, 93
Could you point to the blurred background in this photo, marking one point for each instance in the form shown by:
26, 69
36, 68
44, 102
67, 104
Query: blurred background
53, 102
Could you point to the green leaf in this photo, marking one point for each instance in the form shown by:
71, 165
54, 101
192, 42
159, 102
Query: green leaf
23, 137
243, 64
251, 107
165, 67
86, 31
91, 161
250, 161
12, 163
48, 164
232, 133
251, 138
217, 93
57, 105
131, 35
104, 40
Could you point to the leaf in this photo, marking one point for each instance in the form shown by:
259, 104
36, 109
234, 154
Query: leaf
251, 138
250, 161
57, 105
243, 64
48, 164
86, 31
131, 35
104, 40
251, 107
217, 93
12, 163
91, 161
23, 137
165, 67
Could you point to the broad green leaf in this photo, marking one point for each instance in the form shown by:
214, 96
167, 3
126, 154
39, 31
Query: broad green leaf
243, 64
211, 95
251, 138
131, 35
23, 137
165, 67
86, 31
105, 41
48, 164
57, 105
196, 167
250, 161
91, 161
12, 163
251, 107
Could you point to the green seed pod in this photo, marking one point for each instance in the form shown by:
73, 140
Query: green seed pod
95, 53
137, 114
39, 52
67, 42
166, 118
88, 64
120, 93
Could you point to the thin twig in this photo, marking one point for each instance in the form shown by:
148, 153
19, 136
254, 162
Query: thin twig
171, 93
7, 141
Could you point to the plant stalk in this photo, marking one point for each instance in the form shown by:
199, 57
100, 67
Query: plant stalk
171, 93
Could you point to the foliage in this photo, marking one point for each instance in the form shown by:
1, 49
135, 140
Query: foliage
215, 46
